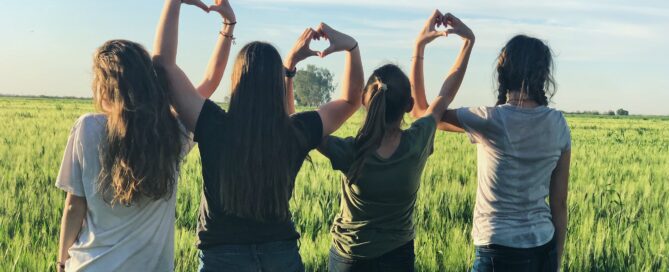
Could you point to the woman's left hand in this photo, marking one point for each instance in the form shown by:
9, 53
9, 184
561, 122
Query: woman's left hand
457, 27
301, 48
429, 32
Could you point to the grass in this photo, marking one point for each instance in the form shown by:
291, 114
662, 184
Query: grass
618, 194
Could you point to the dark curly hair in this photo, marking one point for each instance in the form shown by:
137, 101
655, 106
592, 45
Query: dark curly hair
525, 64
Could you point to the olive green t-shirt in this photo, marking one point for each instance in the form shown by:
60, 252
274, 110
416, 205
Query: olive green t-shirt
376, 214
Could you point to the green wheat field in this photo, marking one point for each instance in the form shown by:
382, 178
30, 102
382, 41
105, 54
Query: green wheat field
618, 197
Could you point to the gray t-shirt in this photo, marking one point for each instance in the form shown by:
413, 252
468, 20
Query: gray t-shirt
139, 237
518, 149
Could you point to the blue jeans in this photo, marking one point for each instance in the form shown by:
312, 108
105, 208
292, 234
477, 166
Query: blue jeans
501, 259
272, 256
399, 259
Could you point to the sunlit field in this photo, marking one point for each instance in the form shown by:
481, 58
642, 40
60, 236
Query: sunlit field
618, 197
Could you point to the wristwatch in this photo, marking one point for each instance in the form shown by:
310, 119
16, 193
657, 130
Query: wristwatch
291, 73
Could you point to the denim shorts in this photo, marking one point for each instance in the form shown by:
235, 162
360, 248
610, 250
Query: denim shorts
400, 259
501, 259
272, 256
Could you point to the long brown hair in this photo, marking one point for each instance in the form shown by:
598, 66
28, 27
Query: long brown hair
525, 64
389, 92
261, 144
141, 150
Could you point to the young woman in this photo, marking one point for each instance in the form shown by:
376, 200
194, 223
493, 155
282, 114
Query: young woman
121, 166
523, 157
251, 153
374, 230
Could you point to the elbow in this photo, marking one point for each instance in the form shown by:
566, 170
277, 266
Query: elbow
75, 208
415, 114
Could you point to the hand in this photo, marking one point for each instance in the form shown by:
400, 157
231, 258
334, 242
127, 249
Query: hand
338, 41
301, 48
196, 3
428, 33
457, 27
223, 7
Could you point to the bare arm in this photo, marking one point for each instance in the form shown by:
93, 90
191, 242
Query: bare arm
188, 101
455, 76
299, 52
558, 201
220, 56
335, 113
426, 35
74, 212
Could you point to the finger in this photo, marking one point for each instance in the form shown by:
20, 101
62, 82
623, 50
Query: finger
324, 28
449, 32
450, 19
305, 34
327, 51
433, 19
313, 53
215, 8
201, 5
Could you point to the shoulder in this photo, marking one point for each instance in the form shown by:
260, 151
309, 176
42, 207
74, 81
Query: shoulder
210, 122
344, 143
210, 111
307, 117
484, 112
310, 123
90, 123
425, 123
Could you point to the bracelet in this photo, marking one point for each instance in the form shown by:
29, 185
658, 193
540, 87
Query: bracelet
226, 23
354, 47
417, 57
228, 36
290, 73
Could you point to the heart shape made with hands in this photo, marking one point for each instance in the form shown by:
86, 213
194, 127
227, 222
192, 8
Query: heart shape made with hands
220, 6
442, 24
319, 44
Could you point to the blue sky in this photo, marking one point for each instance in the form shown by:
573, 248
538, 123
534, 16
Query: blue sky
609, 54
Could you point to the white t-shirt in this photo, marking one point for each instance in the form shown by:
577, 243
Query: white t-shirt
139, 237
518, 149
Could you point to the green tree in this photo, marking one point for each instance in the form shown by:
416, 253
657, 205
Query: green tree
313, 86
622, 112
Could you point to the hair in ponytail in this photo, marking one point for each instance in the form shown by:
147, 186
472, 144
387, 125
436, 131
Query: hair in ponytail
389, 92
525, 64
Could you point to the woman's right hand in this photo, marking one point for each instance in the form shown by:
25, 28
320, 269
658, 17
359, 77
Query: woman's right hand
223, 7
429, 32
338, 41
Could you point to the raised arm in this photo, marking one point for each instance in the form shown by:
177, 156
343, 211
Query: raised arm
74, 212
426, 35
299, 52
188, 100
220, 56
455, 76
335, 113
558, 201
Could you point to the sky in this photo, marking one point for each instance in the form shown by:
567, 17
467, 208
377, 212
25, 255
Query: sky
609, 54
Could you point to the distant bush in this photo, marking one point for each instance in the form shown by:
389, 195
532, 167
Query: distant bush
610, 112
622, 112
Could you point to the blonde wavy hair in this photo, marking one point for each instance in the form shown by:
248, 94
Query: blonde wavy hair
140, 153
